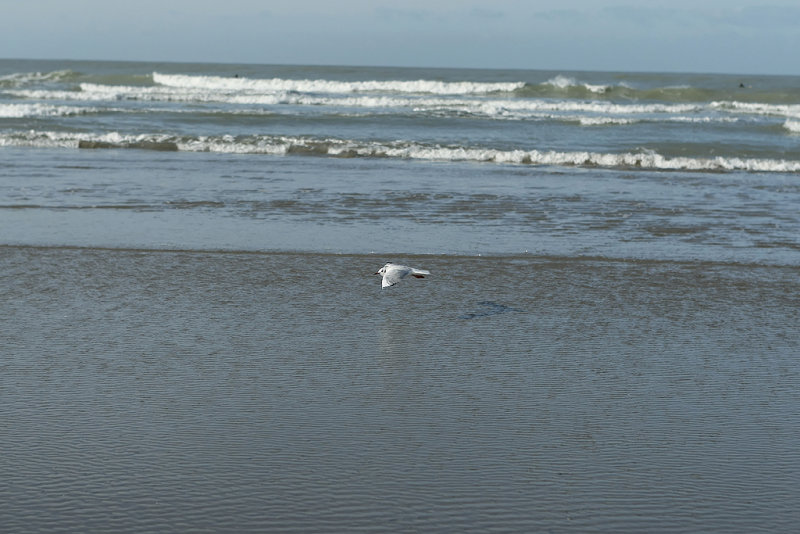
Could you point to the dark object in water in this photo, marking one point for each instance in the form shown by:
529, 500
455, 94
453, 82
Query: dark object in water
95, 144
487, 308
160, 146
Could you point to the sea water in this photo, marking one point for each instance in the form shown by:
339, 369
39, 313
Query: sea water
193, 339
336, 159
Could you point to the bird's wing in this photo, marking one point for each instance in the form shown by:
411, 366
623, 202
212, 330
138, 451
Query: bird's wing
419, 271
389, 279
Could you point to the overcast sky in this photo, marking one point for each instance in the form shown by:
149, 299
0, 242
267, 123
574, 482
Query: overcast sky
734, 36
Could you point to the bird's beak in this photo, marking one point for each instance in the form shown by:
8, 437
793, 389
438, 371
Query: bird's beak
377, 273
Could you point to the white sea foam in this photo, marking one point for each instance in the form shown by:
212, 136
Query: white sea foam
604, 121
792, 125
622, 120
274, 85
478, 98
484, 106
564, 82
584, 112
49, 139
646, 160
23, 78
15, 111
587, 113
77, 96
757, 108
279, 145
703, 120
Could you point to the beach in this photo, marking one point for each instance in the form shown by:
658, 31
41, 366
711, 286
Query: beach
183, 390
192, 337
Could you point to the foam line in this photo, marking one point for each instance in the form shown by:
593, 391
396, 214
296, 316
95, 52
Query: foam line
283, 145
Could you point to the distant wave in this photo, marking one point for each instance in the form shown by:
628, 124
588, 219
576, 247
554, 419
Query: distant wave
597, 114
24, 78
757, 108
558, 86
602, 121
273, 85
486, 106
494, 106
285, 145
564, 82
792, 126
16, 111
584, 113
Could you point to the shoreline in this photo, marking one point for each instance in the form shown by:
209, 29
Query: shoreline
534, 257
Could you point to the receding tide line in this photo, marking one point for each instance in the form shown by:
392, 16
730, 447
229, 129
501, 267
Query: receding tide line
513, 256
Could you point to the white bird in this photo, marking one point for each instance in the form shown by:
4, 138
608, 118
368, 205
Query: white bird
393, 273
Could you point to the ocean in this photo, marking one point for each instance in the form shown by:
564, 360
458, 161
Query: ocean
192, 337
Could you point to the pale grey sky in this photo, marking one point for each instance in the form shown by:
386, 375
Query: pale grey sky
735, 36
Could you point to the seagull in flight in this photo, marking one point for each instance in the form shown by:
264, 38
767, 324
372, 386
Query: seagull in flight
393, 273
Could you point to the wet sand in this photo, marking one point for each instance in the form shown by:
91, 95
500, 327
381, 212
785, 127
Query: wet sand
178, 391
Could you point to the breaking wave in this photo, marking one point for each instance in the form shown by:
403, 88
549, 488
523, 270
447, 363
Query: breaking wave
757, 108
288, 145
274, 85
585, 113
495, 108
17, 111
19, 79
495, 101
564, 82
792, 126
487, 106
557, 86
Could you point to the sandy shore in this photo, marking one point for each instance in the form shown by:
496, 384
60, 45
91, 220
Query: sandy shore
179, 391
